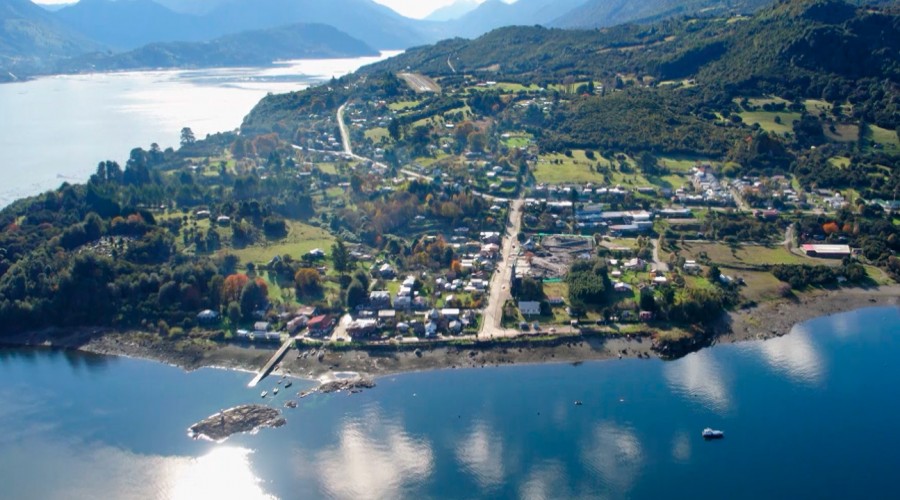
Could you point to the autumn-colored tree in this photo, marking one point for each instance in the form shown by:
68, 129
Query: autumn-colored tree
830, 227
307, 281
232, 286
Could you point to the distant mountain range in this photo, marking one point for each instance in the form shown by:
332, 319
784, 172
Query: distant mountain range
34, 40
249, 48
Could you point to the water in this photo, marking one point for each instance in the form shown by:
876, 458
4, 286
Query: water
809, 415
56, 129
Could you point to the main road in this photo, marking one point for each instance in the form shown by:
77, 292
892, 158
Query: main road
492, 322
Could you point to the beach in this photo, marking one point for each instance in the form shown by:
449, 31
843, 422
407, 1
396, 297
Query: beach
768, 320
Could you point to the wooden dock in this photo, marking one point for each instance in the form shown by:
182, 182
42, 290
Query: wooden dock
270, 365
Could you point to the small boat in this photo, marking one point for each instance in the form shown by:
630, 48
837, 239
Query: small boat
288, 384
275, 391
709, 433
578, 403
264, 393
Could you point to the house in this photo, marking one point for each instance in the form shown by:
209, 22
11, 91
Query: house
622, 287
243, 334
261, 326
316, 253
691, 267
272, 336
431, 329
386, 271
387, 317
208, 317
308, 311
297, 324
556, 301
380, 299
530, 308
646, 316
362, 328
450, 313
409, 282
403, 302
320, 325
223, 220
634, 264
828, 251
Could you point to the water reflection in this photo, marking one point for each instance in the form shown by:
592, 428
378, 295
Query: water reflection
795, 355
372, 459
615, 455
698, 376
681, 447
481, 454
82, 470
545, 480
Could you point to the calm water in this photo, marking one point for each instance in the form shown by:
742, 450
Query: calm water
57, 129
810, 415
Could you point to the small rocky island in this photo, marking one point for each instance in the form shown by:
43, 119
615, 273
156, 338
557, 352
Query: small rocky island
246, 418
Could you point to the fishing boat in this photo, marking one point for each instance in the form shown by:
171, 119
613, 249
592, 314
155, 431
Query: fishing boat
288, 384
275, 391
709, 433
263, 394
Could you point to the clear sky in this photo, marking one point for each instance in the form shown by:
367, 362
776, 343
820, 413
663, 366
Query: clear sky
409, 8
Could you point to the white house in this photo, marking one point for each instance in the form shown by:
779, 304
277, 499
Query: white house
530, 308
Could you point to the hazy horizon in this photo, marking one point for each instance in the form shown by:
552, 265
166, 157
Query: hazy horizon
417, 9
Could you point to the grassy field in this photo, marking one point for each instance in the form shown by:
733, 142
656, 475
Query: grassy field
887, 138
743, 255
301, 239
518, 140
844, 132
402, 105
683, 164
766, 120
839, 161
574, 169
377, 134
815, 106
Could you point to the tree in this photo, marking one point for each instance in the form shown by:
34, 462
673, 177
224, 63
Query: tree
187, 137
356, 294
340, 257
713, 273
648, 302
232, 287
394, 129
307, 281
234, 312
254, 296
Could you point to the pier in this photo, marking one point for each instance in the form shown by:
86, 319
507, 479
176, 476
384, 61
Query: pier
270, 365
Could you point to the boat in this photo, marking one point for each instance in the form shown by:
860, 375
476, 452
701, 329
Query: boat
288, 384
264, 393
578, 403
275, 391
709, 433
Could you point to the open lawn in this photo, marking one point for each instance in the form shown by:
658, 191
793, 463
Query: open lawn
559, 169
724, 255
844, 132
839, 161
767, 120
301, 239
401, 105
815, 106
377, 134
887, 138
683, 164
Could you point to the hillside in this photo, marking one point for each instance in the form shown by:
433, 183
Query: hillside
251, 48
127, 24
599, 13
30, 39
494, 14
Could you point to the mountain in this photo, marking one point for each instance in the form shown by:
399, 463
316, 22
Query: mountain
599, 13
196, 7
251, 48
494, 14
453, 11
30, 39
127, 24
373, 23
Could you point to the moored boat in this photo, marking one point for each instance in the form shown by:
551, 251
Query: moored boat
710, 433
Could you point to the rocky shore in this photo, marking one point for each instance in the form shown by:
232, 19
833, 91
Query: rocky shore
764, 321
246, 418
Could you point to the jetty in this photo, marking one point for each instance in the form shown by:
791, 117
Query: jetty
270, 365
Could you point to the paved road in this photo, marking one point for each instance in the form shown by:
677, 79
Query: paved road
491, 326
420, 83
659, 264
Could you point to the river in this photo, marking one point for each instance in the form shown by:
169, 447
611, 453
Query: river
56, 129
809, 415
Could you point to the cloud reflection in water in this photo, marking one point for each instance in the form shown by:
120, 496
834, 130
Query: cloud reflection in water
372, 459
481, 454
615, 454
794, 355
698, 376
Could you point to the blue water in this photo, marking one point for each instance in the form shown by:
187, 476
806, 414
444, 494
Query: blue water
810, 415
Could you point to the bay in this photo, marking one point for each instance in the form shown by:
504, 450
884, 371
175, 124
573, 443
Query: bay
56, 129
808, 415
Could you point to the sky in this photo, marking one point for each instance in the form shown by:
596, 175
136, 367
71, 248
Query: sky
410, 8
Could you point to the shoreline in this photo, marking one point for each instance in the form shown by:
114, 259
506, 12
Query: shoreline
764, 321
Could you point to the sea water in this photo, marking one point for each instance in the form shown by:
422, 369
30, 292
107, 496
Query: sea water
809, 415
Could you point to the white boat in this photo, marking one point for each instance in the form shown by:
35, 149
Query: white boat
709, 433
275, 391
264, 393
